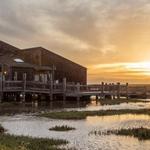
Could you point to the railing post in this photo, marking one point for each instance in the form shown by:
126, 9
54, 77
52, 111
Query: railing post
24, 86
64, 88
110, 90
118, 90
51, 88
127, 91
113, 91
1, 87
78, 91
16, 76
102, 91
145, 92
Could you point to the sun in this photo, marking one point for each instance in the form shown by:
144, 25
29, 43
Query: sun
139, 65
143, 67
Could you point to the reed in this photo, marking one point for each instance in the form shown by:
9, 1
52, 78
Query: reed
62, 128
2, 130
120, 101
10, 142
78, 115
140, 133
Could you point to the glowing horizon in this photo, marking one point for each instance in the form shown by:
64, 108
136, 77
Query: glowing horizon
127, 70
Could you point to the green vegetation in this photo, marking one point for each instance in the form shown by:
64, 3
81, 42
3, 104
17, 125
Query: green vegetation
140, 133
120, 101
77, 115
2, 130
61, 128
10, 142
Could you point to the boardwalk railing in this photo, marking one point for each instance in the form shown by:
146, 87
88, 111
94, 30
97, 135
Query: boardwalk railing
75, 90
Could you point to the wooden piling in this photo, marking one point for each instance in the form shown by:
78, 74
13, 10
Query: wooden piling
64, 88
78, 92
110, 90
102, 90
118, 90
145, 91
1, 87
127, 92
51, 87
24, 86
113, 91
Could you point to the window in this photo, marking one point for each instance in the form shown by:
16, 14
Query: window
18, 60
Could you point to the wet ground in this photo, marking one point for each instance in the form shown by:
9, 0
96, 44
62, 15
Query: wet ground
18, 108
81, 138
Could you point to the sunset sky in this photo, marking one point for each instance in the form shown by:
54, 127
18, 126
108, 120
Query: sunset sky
110, 37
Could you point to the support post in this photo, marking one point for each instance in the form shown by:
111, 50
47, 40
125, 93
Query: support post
145, 92
118, 90
1, 87
16, 76
110, 90
51, 87
78, 92
113, 91
102, 91
106, 87
64, 88
24, 86
127, 91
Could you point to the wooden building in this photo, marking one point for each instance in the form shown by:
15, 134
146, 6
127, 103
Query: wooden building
31, 74
36, 71
63, 67
38, 63
14, 66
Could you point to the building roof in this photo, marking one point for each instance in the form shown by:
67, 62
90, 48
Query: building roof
12, 51
43, 49
11, 56
6, 48
10, 60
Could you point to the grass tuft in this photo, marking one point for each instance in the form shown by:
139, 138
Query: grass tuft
10, 142
120, 101
62, 128
2, 130
140, 133
78, 115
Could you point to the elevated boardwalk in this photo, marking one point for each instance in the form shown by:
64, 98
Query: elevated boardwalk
66, 90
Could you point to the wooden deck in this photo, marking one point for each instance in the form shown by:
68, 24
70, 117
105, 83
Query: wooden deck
65, 89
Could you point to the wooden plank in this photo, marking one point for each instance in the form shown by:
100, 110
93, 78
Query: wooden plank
1, 87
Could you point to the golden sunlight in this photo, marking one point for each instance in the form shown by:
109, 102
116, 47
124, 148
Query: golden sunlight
137, 72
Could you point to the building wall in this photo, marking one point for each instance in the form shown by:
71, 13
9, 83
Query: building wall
64, 67
20, 71
32, 56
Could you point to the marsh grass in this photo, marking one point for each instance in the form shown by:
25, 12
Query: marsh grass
62, 128
140, 133
2, 130
10, 142
78, 115
120, 101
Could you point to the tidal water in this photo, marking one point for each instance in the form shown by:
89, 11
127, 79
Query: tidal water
81, 139
69, 106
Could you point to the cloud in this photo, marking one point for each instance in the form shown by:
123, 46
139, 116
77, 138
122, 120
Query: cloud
86, 31
133, 72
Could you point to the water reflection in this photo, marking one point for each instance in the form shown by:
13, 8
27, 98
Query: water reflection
68, 105
80, 138
116, 118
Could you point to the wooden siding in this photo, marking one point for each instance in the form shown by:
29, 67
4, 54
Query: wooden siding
64, 67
